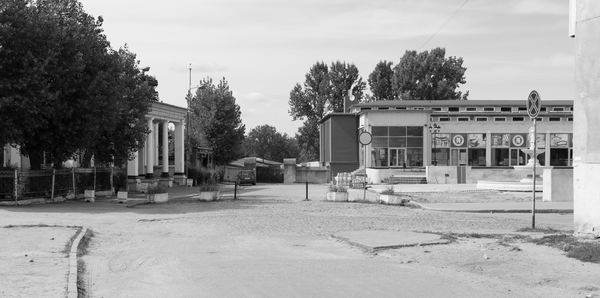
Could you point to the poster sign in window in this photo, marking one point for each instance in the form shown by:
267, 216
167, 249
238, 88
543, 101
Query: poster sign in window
500, 140
518, 140
459, 140
560, 140
477, 140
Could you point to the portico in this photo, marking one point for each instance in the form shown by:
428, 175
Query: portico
146, 164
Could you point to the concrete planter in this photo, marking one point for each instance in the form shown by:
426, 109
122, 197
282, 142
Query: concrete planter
122, 196
89, 195
209, 196
158, 198
189, 182
337, 196
392, 199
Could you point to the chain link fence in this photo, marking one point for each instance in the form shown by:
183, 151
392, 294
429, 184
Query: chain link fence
19, 185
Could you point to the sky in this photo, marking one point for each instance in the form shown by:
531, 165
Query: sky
264, 47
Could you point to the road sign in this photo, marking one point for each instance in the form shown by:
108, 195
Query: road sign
365, 138
534, 103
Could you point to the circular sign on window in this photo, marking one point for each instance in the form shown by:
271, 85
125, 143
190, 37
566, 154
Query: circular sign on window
518, 140
365, 138
458, 140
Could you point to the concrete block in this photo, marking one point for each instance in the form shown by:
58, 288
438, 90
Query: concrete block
558, 185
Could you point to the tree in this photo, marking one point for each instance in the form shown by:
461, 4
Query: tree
429, 76
342, 77
63, 90
125, 128
323, 92
380, 81
216, 115
264, 141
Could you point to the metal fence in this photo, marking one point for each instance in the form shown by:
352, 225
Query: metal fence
18, 185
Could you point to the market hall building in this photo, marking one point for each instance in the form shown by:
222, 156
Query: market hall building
475, 134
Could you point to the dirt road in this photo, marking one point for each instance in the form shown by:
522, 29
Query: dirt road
271, 243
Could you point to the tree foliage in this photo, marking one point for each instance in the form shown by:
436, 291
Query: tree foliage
380, 81
63, 89
217, 118
323, 92
429, 76
264, 141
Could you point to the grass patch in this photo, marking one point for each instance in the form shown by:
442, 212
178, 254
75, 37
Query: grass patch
585, 251
541, 230
82, 249
81, 285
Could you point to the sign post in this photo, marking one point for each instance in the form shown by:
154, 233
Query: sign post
365, 139
534, 104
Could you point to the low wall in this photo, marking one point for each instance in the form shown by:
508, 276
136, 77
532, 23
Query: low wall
558, 185
294, 174
470, 175
312, 174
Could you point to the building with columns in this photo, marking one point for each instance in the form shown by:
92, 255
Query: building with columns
146, 164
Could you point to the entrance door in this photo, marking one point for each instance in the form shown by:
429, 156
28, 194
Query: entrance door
397, 157
458, 157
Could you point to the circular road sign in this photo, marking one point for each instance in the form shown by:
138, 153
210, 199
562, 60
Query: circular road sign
534, 103
365, 138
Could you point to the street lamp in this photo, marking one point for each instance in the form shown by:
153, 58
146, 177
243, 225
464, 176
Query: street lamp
189, 125
433, 130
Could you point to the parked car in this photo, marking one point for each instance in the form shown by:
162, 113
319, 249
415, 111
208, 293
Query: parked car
246, 177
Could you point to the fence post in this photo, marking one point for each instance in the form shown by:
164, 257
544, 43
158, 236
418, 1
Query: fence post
16, 184
112, 188
53, 180
94, 181
73, 175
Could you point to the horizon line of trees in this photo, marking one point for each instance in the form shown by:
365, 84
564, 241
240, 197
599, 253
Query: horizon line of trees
427, 75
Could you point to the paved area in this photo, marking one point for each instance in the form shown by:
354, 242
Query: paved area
270, 226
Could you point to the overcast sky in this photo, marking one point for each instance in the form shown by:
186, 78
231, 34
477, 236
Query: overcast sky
264, 47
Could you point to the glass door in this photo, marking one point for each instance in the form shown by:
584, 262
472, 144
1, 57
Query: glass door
397, 157
458, 157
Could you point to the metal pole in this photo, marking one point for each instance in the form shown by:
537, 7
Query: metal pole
534, 173
235, 190
53, 180
306, 191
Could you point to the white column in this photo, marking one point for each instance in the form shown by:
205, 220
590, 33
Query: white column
133, 167
150, 153
165, 150
179, 149
14, 156
156, 136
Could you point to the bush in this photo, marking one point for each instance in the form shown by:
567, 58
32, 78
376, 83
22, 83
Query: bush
209, 187
157, 188
389, 191
337, 188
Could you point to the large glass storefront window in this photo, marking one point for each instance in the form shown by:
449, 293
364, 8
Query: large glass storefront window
476, 143
440, 152
397, 146
506, 149
561, 151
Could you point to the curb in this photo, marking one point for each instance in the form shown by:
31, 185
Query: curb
72, 291
374, 249
495, 210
